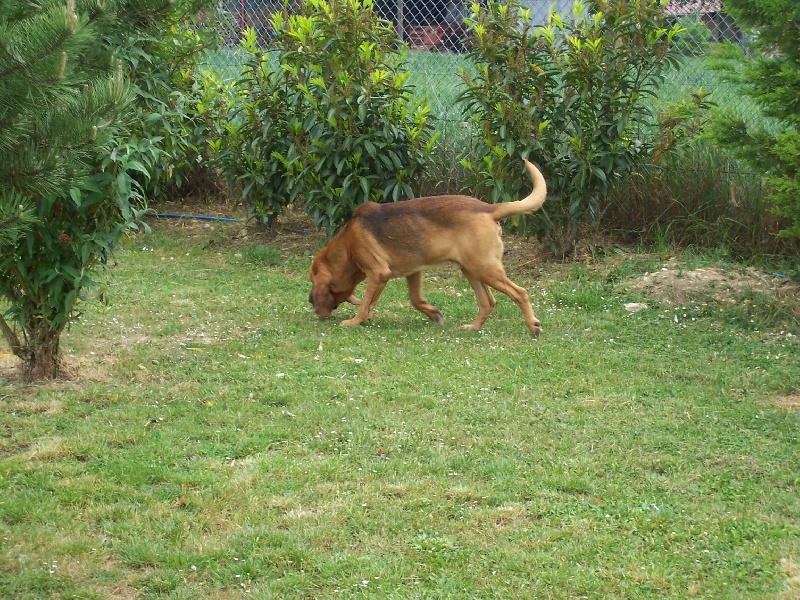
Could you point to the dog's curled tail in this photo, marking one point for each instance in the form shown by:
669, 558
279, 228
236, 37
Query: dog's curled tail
528, 204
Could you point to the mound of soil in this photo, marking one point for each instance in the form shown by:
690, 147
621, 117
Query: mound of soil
675, 284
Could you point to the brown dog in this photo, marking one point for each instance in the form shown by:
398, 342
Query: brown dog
385, 241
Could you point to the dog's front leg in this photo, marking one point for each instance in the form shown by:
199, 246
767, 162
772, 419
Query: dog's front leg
374, 288
417, 301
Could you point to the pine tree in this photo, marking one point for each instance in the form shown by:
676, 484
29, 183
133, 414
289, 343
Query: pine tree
772, 78
14, 221
63, 103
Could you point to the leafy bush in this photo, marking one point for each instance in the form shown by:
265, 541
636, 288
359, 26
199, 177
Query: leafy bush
510, 96
331, 117
573, 95
179, 108
256, 152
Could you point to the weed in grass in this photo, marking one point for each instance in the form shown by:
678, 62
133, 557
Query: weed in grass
261, 255
755, 310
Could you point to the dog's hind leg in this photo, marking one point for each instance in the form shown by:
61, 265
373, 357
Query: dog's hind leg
493, 274
417, 301
498, 279
483, 295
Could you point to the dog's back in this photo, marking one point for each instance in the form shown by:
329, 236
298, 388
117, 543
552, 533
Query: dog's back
412, 235
399, 220
417, 218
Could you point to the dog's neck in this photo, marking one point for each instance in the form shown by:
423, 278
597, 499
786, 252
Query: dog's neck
344, 273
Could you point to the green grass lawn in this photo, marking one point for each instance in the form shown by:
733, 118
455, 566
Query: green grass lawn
219, 441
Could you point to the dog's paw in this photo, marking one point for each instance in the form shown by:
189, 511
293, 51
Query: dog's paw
436, 316
471, 327
350, 322
536, 330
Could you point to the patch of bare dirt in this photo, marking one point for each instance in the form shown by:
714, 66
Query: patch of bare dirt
791, 402
791, 570
675, 284
9, 367
77, 369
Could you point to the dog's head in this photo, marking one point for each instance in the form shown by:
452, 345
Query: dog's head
321, 297
326, 294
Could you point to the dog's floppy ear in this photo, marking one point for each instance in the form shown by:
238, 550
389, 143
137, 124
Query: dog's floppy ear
353, 300
312, 272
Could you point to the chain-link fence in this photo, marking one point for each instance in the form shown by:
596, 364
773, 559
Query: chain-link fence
434, 32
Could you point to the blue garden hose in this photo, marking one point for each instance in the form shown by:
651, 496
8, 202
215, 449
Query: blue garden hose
219, 219
197, 217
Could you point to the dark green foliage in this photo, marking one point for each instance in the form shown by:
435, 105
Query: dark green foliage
179, 109
68, 154
574, 95
510, 96
772, 78
256, 152
363, 136
64, 103
330, 118
14, 221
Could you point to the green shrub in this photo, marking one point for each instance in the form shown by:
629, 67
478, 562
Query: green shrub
510, 94
332, 119
180, 109
65, 104
256, 153
574, 95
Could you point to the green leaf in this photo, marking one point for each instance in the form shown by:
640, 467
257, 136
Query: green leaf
75, 194
364, 186
69, 301
599, 173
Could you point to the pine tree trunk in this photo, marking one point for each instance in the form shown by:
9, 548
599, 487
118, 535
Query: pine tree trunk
40, 355
44, 357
